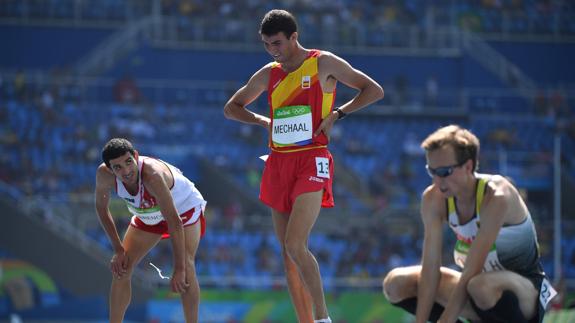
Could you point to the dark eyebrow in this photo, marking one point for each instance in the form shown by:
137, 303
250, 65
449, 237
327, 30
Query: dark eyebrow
275, 42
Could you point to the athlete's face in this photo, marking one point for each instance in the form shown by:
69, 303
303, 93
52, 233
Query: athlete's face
279, 46
447, 173
126, 168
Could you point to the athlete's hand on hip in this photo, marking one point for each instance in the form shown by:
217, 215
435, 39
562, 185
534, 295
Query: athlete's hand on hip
326, 124
119, 264
265, 122
178, 282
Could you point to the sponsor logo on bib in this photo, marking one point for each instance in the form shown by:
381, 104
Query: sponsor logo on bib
292, 125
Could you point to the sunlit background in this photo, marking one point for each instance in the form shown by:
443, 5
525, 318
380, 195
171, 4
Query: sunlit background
75, 73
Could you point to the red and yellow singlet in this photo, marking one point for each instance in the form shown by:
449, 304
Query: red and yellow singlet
297, 106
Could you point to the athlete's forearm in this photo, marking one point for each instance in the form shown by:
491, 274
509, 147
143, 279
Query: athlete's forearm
455, 304
370, 94
236, 112
107, 223
426, 292
176, 231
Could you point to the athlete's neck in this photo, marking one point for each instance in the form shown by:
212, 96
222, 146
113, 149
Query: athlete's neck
133, 187
296, 60
467, 195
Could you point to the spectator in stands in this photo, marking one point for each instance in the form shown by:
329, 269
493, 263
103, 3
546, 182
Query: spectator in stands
164, 204
126, 90
301, 83
502, 278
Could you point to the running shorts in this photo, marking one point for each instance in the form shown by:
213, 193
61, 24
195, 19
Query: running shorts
190, 217
288, 175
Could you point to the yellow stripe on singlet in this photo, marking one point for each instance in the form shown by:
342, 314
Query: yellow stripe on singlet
480, 193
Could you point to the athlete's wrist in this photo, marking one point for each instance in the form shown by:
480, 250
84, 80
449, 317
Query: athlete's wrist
340, 113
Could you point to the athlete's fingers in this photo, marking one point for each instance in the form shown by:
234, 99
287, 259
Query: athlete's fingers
320, 129
124, 267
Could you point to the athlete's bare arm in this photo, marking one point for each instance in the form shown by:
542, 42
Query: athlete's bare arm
105, 183
157, 179
432, 212
494, 210
331, 69
235, 108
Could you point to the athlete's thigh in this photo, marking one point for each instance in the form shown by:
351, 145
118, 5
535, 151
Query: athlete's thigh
401, 283
304, 213
447, 283
408, 280
192, 235
137, 243
526, 293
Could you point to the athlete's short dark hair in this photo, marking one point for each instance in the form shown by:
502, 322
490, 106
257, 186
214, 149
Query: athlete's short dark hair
115, 148
277, 21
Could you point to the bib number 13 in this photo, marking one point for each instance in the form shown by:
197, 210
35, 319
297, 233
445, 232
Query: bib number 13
322, 167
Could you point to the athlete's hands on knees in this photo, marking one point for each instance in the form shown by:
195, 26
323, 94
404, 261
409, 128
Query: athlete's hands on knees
119, 264
179, 282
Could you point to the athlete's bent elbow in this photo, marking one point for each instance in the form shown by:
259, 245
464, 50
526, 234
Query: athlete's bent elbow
228, 111
380, 92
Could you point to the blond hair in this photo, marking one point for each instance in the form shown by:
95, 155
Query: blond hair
464, 143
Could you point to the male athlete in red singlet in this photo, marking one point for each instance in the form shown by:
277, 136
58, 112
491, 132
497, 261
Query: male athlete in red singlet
297, 179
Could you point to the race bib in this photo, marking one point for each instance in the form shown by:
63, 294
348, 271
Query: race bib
547, 293
292, 125
491, 261
322, 167
150, 216
151, 219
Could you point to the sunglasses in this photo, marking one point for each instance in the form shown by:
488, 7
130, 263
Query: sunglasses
442, 172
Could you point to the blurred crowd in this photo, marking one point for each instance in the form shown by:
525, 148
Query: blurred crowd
489, 16
51, 134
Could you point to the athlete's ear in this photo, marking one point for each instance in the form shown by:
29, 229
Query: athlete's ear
136, 154
294, 36
468, 165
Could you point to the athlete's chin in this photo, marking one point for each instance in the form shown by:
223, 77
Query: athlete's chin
129, 179
446, 192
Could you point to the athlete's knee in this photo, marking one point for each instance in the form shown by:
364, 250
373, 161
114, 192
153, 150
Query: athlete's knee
504, 309
191, 264
481, 291
296, 250
124, 277
397, 285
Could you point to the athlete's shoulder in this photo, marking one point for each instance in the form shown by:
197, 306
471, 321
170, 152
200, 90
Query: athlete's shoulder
432, 200
268, 67
103, 170
261, 76
104, 176
496, 185
325, 56
151, 165
500, 197
154, 169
